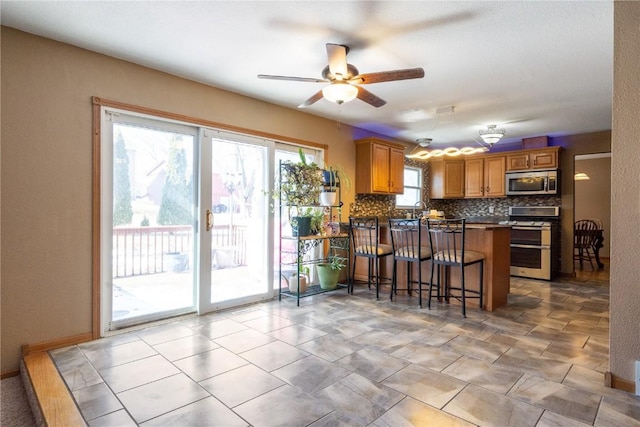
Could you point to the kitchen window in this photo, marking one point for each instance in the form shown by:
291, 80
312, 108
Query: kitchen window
412, 188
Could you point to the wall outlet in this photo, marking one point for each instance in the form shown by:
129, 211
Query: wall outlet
637, 377
491, 209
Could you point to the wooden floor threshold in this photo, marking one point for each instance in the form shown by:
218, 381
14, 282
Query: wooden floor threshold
55, 406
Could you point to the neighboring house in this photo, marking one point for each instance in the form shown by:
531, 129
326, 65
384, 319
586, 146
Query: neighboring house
155, 181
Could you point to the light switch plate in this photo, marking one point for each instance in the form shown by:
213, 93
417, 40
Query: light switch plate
637, 377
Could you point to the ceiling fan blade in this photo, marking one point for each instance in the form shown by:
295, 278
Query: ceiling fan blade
389, 76
314, 98
337, 55
370, 98
293, 79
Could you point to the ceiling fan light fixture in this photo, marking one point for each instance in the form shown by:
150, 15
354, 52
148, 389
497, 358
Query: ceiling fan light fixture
340, 92
491, 135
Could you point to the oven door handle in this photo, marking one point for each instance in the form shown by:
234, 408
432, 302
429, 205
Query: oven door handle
544, 247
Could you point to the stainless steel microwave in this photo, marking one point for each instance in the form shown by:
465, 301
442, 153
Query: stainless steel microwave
531, 183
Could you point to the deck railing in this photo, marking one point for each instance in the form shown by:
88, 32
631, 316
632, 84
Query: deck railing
150, 250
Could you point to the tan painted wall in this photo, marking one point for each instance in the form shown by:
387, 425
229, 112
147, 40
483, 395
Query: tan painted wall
625, 199
47, 170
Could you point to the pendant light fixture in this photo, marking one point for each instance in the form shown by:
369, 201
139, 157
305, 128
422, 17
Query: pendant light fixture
491, 135
580, 176
421, 152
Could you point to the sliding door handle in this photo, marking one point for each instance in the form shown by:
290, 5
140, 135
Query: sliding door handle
209, 220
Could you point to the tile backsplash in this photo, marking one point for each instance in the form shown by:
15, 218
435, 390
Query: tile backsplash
384, 205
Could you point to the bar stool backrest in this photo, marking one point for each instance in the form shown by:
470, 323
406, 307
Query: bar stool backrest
446, 238
406, 240
364, 235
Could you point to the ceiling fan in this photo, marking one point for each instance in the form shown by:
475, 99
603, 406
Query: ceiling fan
344, 78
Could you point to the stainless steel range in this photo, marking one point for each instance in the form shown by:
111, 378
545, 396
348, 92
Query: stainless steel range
535, 241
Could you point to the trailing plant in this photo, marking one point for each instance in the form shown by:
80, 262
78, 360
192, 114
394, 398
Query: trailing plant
299, 184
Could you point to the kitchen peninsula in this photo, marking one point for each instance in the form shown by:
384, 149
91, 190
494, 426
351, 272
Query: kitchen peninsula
492, 240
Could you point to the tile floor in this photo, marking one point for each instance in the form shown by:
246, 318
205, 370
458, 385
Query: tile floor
341, 360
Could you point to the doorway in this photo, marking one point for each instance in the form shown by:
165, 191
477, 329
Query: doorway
592, 200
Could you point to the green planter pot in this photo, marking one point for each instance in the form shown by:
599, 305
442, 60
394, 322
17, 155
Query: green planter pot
328, 276
301, 226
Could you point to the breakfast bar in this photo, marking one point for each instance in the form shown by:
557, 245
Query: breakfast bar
492, 240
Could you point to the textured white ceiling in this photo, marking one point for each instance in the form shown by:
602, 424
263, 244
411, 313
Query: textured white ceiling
534, 68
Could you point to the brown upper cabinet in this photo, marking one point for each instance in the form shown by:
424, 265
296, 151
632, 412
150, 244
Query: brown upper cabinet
484, 177
379, 166
545, 158
447, 179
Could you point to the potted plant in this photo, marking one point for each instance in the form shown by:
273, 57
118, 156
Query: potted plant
298, 187
299, 281
332, 178
299, 183
306, 221
300, 225
329, 272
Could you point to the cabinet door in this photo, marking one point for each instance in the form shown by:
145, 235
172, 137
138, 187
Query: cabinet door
544, 160
454, 179
516, 162
494, 179
396, 171
380, 168
474, 178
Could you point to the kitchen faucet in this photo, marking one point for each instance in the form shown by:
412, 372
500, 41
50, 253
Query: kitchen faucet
419, 203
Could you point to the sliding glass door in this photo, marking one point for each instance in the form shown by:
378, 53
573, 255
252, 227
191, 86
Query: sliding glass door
235, 203
185, 219
149, 219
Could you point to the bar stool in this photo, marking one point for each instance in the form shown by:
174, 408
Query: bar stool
446, 239
406, 241
365, 238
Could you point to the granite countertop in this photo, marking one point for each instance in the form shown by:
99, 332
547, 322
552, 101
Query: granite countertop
486, 219
477, 220
485, 226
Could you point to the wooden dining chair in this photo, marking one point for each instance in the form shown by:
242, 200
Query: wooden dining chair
584, 240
